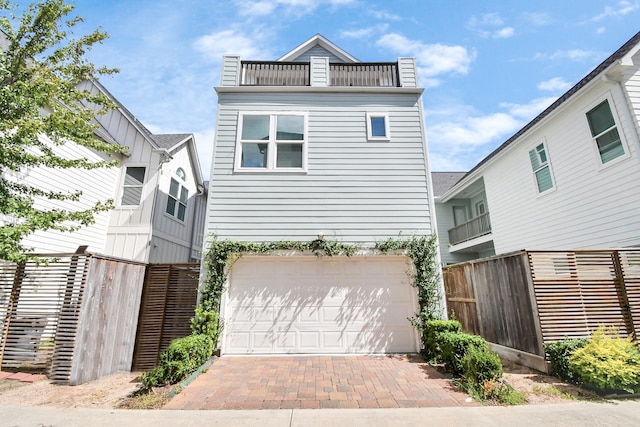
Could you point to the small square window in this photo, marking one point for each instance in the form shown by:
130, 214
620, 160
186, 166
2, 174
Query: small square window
378, 126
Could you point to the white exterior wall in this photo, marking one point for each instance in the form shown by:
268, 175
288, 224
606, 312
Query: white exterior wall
71, 180
592, 206
172, 238
354, 190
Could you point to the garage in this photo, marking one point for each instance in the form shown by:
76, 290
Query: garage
327, 305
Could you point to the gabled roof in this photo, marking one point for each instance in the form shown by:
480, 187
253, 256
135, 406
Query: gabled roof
168, 141
621, 56
173, 141
318, 40
443, 181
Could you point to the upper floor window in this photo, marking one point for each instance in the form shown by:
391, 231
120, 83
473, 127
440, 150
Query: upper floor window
378, 126
272, 141
178, 197
604, 132
541, 168
132, 187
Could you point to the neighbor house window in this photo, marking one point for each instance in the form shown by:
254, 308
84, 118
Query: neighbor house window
604, 132
132, 187
378, 126
272, 142
541, 168
178, 197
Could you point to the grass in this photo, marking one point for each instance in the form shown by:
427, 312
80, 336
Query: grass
154, 398
553, 391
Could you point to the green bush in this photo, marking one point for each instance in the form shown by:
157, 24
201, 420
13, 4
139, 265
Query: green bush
431, 337
480, 365
183, 357
608, 363
206, 323
559, 353
454, 347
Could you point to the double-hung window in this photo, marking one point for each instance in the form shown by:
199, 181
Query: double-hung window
132, 186
178, 196
541, 168
272, 142
604, 132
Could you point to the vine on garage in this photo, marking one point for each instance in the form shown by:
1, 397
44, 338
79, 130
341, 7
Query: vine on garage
421, 249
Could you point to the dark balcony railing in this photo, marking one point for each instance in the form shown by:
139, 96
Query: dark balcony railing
258, 73
369, 74
273, 73
478, 226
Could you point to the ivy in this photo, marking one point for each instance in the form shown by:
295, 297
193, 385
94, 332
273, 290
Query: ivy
421, 249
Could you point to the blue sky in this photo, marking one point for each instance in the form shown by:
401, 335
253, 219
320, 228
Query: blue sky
488, 67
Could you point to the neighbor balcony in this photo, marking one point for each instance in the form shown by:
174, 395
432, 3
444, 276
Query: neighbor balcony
477, 227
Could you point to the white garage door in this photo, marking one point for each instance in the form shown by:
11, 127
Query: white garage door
328, 305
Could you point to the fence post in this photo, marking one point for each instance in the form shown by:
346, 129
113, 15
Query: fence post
11, 307
623, 298
526, 263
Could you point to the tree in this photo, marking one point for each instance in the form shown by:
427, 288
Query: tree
41, 107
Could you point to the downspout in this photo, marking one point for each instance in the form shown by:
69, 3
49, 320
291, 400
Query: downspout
193, 223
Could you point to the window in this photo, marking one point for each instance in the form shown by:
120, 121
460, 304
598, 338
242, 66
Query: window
604, 132
541, 168
272, 142
378, 126
178, 197
132, 187
480, 209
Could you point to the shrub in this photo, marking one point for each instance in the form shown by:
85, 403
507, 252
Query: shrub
559, 353
183, 357
206, 323
454, 347
431, 337
480, 365
608, 363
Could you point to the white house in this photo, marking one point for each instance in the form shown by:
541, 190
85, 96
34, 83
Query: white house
567, 180
319, 143
157, 188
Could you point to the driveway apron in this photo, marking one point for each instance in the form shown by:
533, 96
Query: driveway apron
291, 382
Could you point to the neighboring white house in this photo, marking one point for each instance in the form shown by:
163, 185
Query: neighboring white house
570, 179
158, 191
319, 143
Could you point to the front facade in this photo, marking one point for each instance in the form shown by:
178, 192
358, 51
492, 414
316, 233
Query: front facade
318, 144
567, 180
157, 189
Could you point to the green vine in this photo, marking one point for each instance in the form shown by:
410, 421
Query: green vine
421, 249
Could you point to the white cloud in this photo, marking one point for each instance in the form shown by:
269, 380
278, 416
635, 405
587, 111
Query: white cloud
486, 20
600, 30
573, 55
485, 24
621, 9
554, 84
537, 18
228, 42
258, 8
528, 111
364, 32
381, 14
503, 33
432, 59
204, 143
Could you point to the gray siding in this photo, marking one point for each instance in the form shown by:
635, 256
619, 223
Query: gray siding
354, 190
317, 51
444, 214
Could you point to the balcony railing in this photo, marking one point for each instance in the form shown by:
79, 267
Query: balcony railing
258, 73
273, 73
371, 75
478, 226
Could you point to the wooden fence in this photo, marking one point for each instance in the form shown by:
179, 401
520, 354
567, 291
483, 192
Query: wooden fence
522, 300
168, 304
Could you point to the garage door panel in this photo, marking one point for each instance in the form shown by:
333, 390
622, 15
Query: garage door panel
312, 305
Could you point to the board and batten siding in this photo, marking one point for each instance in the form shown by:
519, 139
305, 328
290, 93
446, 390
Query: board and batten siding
355, 190
592, 206
69, 181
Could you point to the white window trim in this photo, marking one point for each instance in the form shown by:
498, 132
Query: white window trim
616, 120
543, 141
123, 177
387, 136
271, 150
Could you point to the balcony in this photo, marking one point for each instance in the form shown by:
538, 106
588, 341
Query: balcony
477, 227
274, 73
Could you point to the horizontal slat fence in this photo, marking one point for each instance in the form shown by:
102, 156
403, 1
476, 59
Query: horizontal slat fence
168, 303
526, 299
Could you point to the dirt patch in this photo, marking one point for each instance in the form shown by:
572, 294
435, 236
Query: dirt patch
106, 392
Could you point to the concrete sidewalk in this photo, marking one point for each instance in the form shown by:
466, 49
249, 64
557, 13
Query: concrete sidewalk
618, 413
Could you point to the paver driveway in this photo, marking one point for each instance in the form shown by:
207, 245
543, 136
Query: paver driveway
291, 382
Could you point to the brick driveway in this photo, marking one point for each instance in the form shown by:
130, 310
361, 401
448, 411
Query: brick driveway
292, 382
